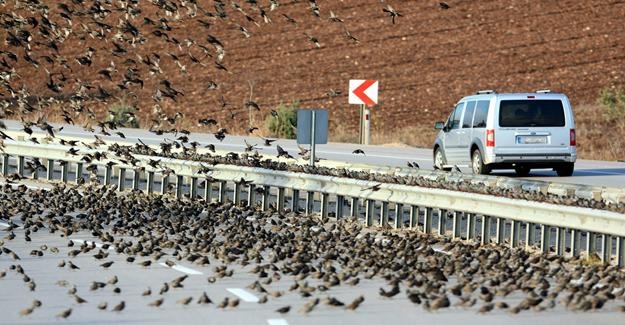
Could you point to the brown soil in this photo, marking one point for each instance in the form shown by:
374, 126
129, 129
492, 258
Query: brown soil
425, 62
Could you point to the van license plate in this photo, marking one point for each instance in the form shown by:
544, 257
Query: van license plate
531, 139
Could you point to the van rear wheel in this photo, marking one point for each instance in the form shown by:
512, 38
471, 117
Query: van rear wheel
477, 164
522, 171
565, 169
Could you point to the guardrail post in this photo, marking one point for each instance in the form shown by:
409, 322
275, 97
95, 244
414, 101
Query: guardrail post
369, 212
545, 238
620, 251
5, 164
164, 183
530, 234
591, 243
413, 216
64, 171
294, 200
485, 230
136, 178
574, 242
384, 214
470, 226
250, 194
340, 201
149, 182
324, 205
515, 230
179, 186
606, 248
310, 202
266, 194
121, 178
107, 175
193, 189
560, 234
455, 225
208, 187
49, 169
442, 214
280, 198
399, 215
353, 209
427, 220
79, 173
20, 165
500, 231
222, 191
237, 193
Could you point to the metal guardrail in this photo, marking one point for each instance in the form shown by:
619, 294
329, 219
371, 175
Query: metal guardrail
469, 216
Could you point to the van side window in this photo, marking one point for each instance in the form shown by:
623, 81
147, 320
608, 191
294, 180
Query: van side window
468, 115
455, 121
481, 113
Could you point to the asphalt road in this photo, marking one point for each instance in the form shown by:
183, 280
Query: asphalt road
587, 172
53, 284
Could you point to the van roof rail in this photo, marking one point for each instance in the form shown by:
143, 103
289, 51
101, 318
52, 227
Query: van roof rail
486, 91
543, 91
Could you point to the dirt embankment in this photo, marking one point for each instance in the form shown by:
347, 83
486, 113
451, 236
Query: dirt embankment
425, 61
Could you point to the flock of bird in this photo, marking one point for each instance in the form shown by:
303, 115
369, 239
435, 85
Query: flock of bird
274, 245
130, 51
314, 257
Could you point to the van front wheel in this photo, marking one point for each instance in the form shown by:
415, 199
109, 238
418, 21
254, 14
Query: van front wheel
477, 164
565, 169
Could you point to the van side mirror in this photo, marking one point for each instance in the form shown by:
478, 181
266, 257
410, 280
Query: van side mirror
439, 125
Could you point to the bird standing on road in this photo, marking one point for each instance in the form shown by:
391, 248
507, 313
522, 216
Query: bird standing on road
358, 151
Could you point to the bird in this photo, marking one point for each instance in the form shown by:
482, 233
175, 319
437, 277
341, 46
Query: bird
390, 293
156, 303
356, 303
444, 5
373, 188
204, 299
65, 313
358, 151
106, 265
313, 40
283, 310
102, 305
119, 307
391, 13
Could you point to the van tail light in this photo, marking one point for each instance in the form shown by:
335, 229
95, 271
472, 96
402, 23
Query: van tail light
572, 138
490, 138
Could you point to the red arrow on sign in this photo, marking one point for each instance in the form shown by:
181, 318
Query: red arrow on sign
360, 92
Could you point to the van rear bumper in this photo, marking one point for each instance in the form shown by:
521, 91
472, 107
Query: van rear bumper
531, 160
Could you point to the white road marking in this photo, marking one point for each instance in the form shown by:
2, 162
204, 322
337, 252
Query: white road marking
182, 269
4, 224
243, 294
82, 241
277, 321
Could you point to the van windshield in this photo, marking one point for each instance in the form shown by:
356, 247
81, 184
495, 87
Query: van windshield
528, 113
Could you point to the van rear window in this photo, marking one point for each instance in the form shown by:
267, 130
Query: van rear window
528, 113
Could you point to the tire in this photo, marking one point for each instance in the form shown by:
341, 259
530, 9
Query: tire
477, 164
565, 169
439, 159
522, 171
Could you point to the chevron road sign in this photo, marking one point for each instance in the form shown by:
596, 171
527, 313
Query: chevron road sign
363, 92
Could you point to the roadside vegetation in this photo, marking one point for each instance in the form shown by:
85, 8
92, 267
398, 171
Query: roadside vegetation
123, 113
282, 122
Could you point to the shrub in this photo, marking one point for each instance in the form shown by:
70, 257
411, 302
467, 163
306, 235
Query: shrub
613, 103
283, 122
123, 114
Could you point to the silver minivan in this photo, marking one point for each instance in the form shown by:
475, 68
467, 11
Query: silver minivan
520, 131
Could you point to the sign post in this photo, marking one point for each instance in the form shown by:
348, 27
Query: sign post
312, 128
365, 94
